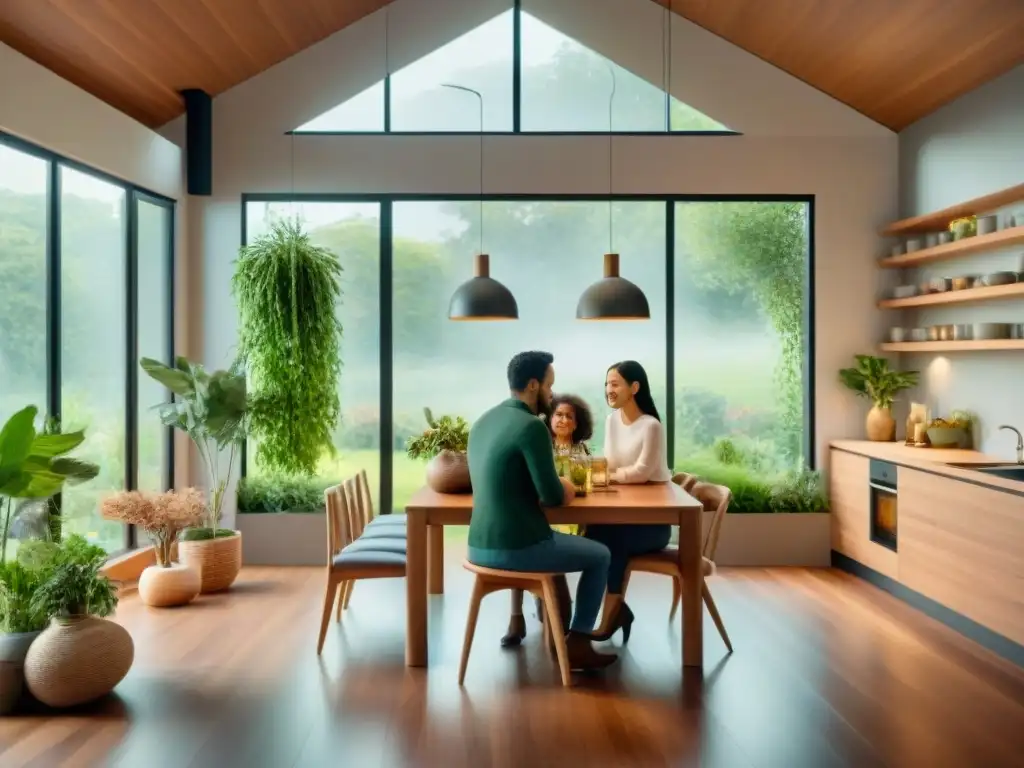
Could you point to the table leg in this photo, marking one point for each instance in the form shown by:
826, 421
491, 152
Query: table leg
691, 567
435, 559
416, 589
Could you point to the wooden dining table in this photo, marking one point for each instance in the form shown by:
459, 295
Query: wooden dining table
650, 504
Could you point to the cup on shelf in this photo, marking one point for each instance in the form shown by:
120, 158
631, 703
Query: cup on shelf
919, 334
987, 224
945, 237
897, 250
913, 244
896, 335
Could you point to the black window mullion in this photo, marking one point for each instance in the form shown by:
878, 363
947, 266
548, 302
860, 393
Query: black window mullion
53, 316
131, 352
169, 352
517, 65
387, 430
670, 332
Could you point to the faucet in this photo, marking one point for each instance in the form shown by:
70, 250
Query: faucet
1020, 442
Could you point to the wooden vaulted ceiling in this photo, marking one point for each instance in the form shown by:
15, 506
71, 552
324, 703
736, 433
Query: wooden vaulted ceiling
892, 60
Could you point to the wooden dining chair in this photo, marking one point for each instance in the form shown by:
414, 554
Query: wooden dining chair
540, 585
350, 559
388, 537
367, 498
685, 480
714, 498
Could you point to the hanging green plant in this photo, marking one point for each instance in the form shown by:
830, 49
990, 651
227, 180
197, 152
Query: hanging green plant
287, 291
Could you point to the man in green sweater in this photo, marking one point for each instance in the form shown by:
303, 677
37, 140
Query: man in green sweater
512, 467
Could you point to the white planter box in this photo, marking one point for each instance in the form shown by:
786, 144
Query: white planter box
284, 538
773, 539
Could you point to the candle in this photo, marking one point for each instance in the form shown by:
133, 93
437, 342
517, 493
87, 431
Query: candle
919, 433
599, 472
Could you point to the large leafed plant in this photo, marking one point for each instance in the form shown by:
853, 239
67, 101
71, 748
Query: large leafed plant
213, 410
288, 289
872, 378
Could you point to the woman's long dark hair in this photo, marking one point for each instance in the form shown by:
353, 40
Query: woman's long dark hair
633, 372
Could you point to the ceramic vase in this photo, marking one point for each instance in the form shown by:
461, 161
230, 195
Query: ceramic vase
13, 649
78, 659
881, 426
165, 586
448, 472
217, 561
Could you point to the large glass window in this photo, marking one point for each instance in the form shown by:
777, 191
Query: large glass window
351, 230
154, 334
546, 253
93, 337
23, 249
740, 292
363, 112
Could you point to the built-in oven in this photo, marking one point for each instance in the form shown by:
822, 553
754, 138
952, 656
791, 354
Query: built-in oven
884, 513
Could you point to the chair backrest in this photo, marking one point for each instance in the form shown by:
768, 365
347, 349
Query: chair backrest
357, 518
715, 498
364, 488
338, 531
685, 480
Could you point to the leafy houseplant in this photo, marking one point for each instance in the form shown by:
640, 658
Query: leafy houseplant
80, 657
872, 378
212, 409
287, 291
35, 465
444, 442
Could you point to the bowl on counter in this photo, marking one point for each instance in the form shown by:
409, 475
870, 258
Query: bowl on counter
999, 278
990, 331
948, 437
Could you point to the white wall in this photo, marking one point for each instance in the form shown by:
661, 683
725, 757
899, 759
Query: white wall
38, 106
971, 147
796, 140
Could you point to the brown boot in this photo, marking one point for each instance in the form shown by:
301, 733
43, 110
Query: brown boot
582, 654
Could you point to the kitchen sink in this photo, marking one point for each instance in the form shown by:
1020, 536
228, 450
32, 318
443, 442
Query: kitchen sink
1007, 471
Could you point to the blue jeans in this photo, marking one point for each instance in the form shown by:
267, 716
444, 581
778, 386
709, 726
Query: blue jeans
561, 553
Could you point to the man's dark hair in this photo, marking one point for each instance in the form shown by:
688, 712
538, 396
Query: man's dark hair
525, 367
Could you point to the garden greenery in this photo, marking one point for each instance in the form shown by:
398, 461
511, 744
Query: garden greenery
287, 290
274, 493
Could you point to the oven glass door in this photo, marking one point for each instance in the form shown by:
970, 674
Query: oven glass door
884, 515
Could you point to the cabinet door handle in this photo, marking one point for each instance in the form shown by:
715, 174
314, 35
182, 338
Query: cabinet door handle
883, 488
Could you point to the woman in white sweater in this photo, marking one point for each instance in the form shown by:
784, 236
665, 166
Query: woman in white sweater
634, 444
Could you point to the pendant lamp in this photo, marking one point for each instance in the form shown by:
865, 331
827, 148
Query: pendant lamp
613, 297
481, 297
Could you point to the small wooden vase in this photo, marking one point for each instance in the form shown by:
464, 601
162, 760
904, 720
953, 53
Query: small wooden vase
163, 587
881, 426
448, 472
217, 561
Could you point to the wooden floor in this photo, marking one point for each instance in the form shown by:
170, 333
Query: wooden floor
828, 671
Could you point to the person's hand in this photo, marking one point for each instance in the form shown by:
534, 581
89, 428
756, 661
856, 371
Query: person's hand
568, 490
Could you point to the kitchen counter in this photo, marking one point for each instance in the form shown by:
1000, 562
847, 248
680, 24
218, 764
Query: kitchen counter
935, 461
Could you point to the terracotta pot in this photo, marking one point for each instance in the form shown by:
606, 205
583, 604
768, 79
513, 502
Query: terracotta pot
13, 648
881, 426
78, 660
217, 561
162, 587
448, 472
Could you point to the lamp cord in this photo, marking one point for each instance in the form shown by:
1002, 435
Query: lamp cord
481, 98
611, 157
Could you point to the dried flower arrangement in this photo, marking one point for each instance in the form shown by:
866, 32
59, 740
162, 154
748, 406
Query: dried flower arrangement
161, 515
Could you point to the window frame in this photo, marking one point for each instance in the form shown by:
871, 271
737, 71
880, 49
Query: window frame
386, 319
517, 106
134, 194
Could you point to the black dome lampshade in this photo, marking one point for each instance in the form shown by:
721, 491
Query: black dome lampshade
482, 297
614, 297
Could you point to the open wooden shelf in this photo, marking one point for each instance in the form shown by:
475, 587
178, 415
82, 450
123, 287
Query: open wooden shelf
969, 245
939, 220
987, 293
991, 345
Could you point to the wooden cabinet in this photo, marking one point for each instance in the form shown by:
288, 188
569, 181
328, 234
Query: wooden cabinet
850, 498
962, 545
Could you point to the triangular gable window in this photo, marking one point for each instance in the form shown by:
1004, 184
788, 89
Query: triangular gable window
565, 88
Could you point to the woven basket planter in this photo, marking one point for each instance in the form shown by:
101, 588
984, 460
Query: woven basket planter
78, 660
176, 584
217, 561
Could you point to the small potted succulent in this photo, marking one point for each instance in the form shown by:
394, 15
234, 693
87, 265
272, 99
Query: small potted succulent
162, 516
444, 444
872, 378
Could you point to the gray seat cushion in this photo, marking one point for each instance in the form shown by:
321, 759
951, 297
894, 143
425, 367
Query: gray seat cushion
367, 559
376, 545
398, 520
383, 532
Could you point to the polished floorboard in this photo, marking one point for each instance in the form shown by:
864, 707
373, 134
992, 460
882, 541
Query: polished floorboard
828, 671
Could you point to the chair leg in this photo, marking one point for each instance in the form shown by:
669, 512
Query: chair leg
340, 600
677, 597
713, 610
554, 622
332, 589
474, 611
348, 594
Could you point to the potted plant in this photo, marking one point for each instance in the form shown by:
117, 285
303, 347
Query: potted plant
444, 443
282, 519
163, 516
872, 378
33, 467
213, 410
80, 656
